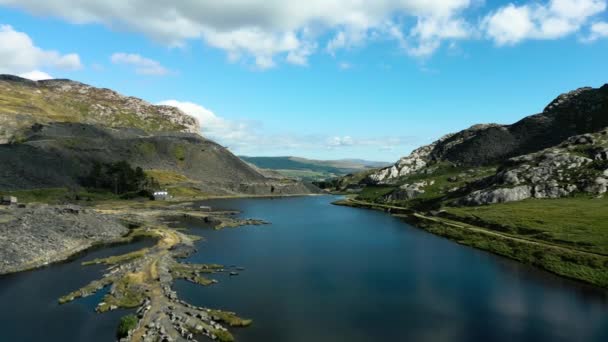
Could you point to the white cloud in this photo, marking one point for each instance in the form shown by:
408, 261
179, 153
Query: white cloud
19, 55
143, 66
36, 75
340, 141
212, 126
266, 31
512, 24
598, 30
248, 137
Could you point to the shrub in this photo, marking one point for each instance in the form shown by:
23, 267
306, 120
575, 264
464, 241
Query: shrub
127, 323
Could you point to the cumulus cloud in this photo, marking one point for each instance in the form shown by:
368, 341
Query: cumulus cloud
19, 55
142, 65
265, 31
598, 30
554, 19
213, 126
36, 75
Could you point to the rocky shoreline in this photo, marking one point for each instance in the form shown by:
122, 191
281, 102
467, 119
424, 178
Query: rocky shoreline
37, 235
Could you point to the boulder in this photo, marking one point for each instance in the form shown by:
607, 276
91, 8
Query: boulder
501, 195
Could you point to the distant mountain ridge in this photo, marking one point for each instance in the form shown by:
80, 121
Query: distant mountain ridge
310, 169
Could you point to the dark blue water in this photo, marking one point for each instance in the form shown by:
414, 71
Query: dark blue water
328, 273
30, 312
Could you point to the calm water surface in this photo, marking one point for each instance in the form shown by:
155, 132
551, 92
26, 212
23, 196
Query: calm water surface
328, 273
30, 312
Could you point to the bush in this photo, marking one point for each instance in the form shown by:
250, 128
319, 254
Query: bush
127, 323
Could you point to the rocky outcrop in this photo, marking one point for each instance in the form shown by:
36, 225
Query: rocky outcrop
416, 161
556, 172
408, 192
26, 102
39, 234
501, 195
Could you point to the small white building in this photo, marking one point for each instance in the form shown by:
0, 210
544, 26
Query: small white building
161, 195
9, 200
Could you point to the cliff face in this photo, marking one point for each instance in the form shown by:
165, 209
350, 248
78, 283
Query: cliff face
54, 131
24, 102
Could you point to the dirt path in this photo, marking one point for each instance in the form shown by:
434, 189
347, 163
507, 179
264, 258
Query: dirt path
462, 225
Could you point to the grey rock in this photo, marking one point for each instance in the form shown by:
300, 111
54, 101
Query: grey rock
43, 234
501, 195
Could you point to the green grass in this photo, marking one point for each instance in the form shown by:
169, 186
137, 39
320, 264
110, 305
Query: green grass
373, 193
573, 264
165, 177
179, 152
579, 222
118, 259
229, 318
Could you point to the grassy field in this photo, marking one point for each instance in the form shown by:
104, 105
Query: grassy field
372, 193
580, 223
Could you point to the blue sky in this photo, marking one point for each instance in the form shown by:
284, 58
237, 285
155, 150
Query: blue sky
319, 79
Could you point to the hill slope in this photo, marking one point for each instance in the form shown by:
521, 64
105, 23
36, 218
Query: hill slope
59, 129
24, 102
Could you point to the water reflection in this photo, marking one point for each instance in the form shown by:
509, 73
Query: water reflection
327, 273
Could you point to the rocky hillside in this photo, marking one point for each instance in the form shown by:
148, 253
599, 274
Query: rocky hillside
24, 102
55, 131
578, 112
558, 153
578, 165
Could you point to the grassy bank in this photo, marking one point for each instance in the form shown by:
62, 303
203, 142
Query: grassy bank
532, 237
579, 223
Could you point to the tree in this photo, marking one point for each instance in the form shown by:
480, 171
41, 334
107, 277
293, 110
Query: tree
119, 177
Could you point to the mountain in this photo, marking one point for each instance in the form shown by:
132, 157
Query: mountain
55, 131
557, 153
534, 191
309, 169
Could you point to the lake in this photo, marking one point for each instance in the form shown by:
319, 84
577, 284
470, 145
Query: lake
30, 311
320, 273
